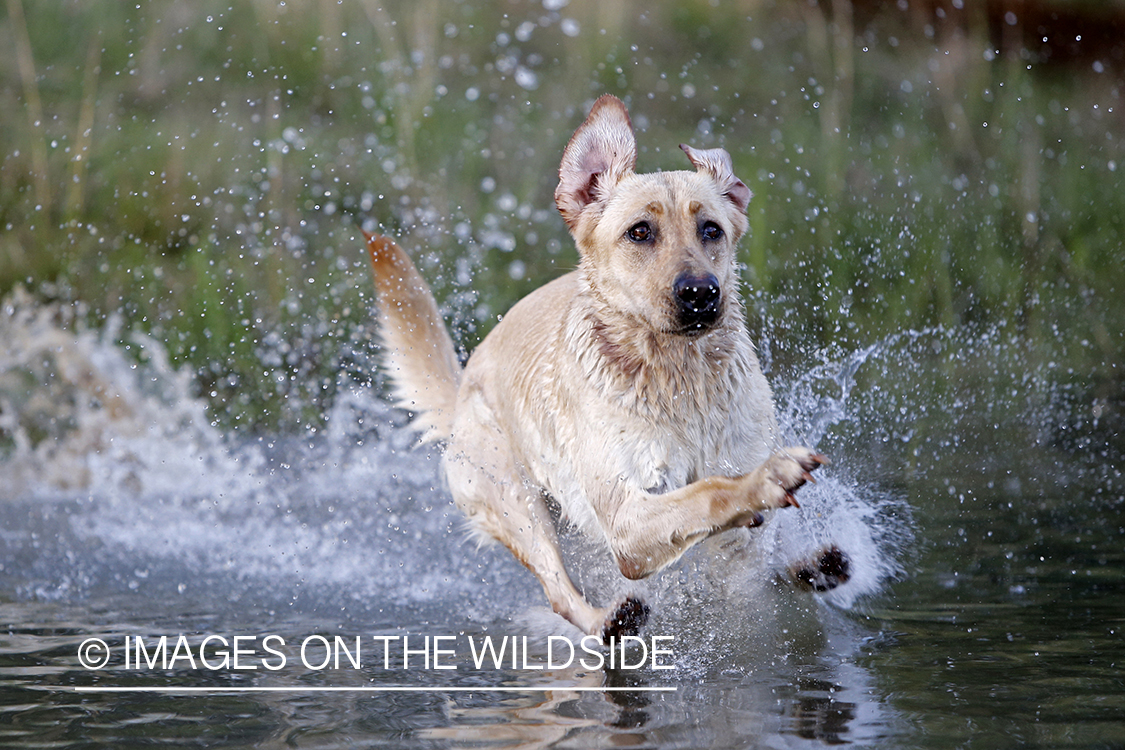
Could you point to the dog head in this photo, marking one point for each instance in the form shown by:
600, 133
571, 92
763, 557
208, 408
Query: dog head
656, 247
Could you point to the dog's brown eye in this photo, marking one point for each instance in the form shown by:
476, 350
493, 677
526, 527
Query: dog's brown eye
712, 231
640, 232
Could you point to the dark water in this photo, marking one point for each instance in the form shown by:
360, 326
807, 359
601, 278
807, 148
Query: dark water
983, 491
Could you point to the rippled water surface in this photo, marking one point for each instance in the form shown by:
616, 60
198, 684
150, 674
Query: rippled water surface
195, 447
990, 611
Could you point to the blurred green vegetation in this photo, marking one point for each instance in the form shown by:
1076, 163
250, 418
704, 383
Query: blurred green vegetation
199, 168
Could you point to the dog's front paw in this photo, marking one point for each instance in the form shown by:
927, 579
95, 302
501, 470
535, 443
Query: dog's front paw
626, 619
784, 473
827, 571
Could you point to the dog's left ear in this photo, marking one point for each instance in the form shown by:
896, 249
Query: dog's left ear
716, 162
600, 153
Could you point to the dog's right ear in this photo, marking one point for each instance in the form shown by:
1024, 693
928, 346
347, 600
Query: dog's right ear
600, 153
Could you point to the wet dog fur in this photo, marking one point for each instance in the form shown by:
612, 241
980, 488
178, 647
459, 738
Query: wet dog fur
627, 391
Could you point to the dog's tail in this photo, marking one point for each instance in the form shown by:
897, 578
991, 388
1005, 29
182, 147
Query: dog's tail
419, 353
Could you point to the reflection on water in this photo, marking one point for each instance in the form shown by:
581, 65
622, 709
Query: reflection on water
1014, 622
808, 699
125, 514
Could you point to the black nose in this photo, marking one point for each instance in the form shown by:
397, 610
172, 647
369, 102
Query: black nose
697, 300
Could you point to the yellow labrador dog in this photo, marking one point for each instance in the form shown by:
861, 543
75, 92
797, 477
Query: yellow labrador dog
627, 392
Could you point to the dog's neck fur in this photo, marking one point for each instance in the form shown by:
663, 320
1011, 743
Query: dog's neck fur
655, 372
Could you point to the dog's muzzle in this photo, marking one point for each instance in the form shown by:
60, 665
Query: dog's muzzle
698, 302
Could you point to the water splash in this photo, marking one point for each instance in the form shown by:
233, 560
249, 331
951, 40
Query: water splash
99, 410
115, 480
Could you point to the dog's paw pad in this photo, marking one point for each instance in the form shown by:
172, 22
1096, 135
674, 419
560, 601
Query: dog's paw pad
628, 619
831, 568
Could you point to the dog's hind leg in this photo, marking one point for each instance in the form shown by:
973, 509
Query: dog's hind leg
489, 488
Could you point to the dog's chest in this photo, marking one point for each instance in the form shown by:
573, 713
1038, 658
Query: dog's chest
677, 445
661, 439
655, 426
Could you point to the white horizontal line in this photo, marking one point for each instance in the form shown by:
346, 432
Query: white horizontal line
366, 689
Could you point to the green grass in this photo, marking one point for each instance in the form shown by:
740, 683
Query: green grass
200, 168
